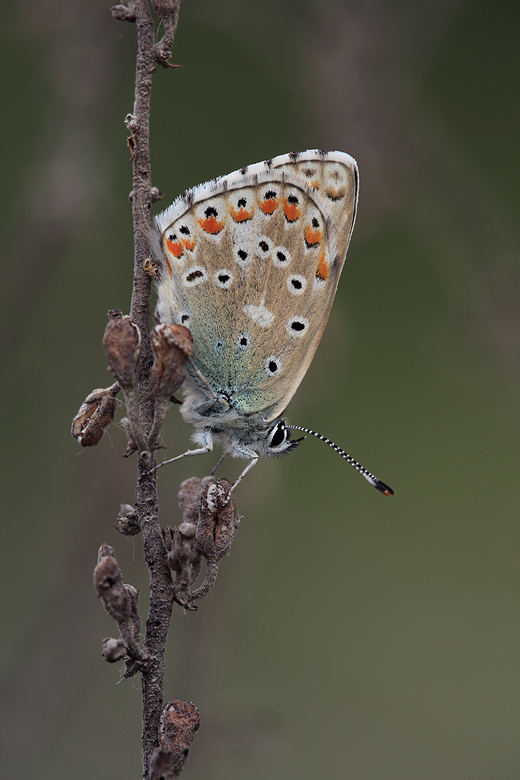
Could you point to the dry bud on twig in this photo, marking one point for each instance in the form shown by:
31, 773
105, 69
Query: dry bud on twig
216, 525
215, 529
95, 414
108, 582
113, 650
183, 557
207, 532
122, 342
151, 268
128, 520
120, 601
125, 13
178, 725
172, 345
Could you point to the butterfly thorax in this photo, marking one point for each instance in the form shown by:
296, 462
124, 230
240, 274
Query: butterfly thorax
220, 419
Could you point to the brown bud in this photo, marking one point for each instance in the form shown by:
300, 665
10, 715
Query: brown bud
188, 498
128, 522
151, 268
182, 554
113, 650
177, 728
95, 413
108, 582
122, 342
216, 524
165, 8
131, 447
156, 194
124, 13
172, 345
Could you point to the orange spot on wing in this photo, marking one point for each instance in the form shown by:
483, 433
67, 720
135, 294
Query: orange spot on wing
323, 270
188, 243
211, 225
270, 205
241, 215
291, 210
315, 184
168, 266
175, 247
312, 236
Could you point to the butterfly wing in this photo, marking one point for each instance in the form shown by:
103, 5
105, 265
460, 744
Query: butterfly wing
251, 263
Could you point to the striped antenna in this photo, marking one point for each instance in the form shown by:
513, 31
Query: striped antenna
363, 471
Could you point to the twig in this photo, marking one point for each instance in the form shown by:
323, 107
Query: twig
149, 368
161, 585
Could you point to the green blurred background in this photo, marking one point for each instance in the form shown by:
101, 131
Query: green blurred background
349, 635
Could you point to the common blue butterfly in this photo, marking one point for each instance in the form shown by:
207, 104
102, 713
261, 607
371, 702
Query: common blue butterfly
250, 263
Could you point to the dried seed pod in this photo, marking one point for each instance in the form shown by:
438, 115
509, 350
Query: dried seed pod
122, 342
182, 554
108, 582
216, 524
178, 725
172, 345
95, 413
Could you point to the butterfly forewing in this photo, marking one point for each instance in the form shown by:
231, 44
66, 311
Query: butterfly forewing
335, 176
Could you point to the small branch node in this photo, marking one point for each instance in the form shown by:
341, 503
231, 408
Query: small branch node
145, 458
131, 122
113, 650
124, 13
156, 194
128, 520
151, 268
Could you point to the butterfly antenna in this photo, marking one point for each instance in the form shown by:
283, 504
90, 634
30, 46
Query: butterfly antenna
363, 471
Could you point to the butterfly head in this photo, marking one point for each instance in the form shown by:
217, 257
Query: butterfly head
243, 438
277, 440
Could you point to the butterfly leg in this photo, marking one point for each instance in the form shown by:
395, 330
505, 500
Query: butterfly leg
206, 447
245, 453
219, 463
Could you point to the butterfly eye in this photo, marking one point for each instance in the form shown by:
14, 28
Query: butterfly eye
278, 435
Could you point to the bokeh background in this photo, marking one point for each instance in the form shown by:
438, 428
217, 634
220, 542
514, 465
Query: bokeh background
349, 635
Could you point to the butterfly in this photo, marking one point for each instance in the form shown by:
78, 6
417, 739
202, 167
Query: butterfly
250, 263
